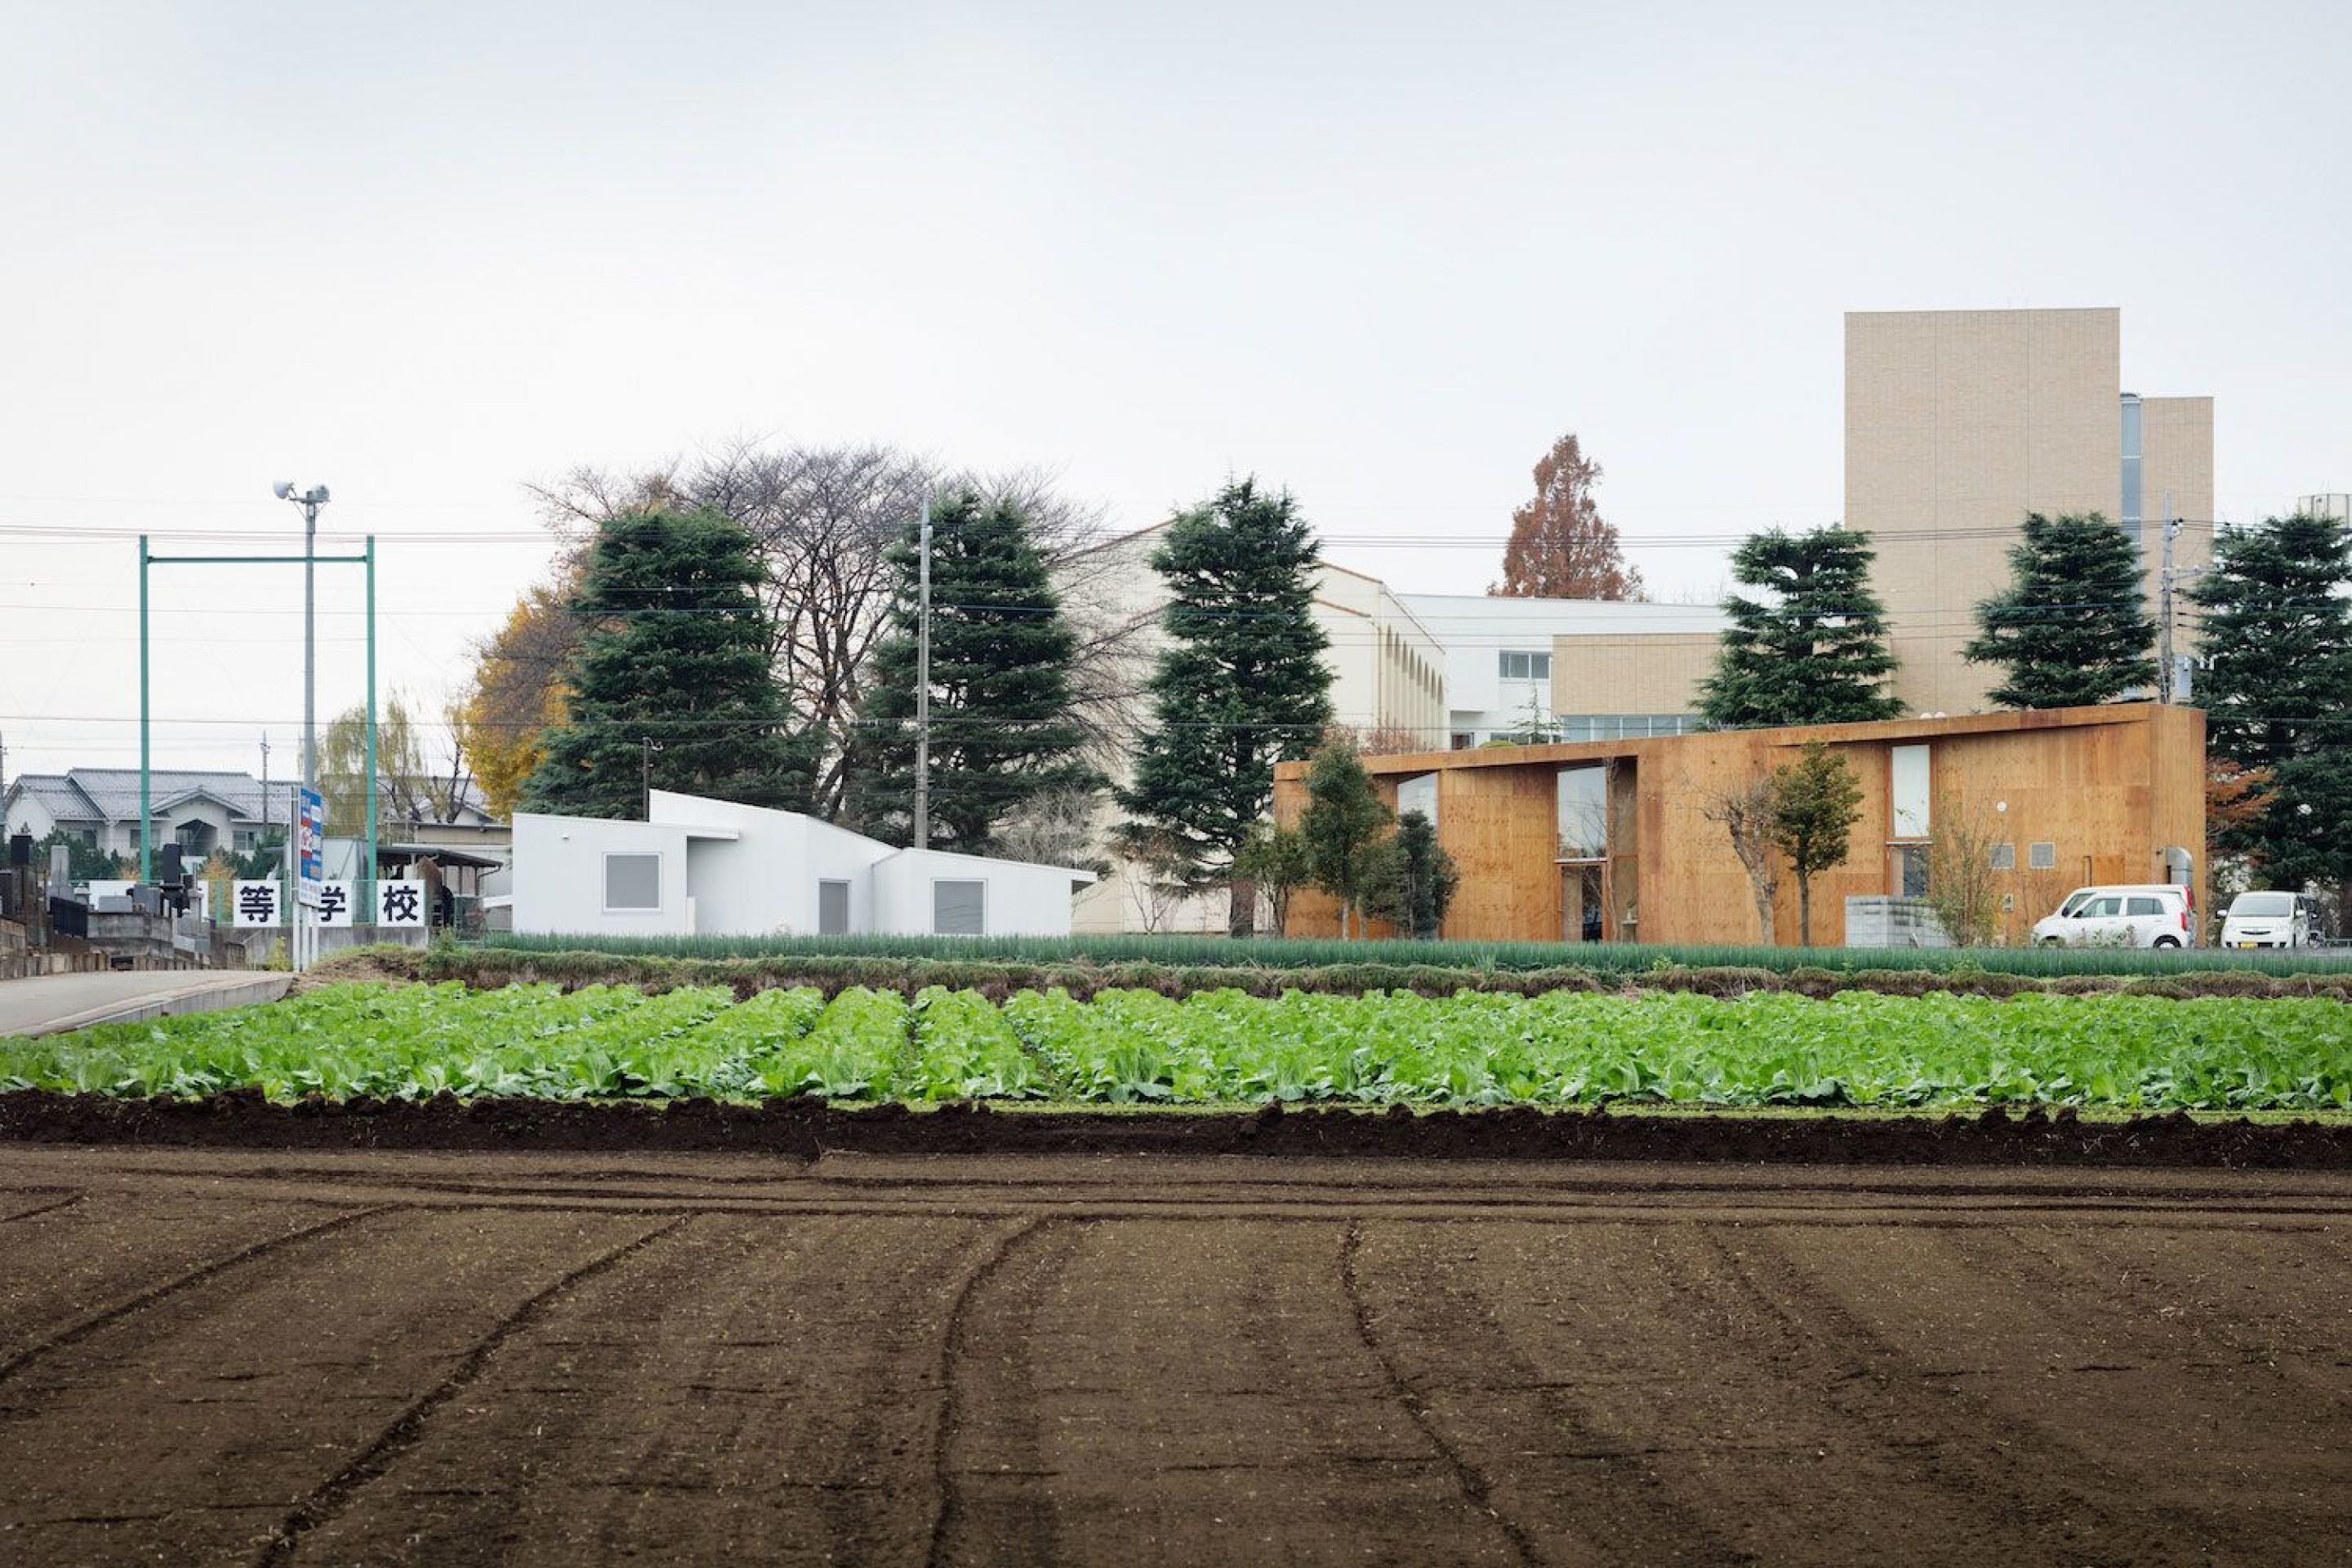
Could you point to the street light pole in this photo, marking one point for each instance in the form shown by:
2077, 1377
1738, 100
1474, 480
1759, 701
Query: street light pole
922, 836
309, 500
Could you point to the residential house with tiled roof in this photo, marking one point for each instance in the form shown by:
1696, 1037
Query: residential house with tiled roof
202, 810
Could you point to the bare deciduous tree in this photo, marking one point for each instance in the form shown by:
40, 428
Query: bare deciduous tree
1963, 887
1157, 867
1054, 828
1746, 813
1392, 740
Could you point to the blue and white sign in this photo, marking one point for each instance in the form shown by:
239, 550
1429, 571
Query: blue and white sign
313, 839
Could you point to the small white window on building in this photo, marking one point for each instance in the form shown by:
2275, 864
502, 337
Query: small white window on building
833, 908
2004, 856
959, 908
632, 883
1525, 664
1419, 794
2043, 857
1910, 783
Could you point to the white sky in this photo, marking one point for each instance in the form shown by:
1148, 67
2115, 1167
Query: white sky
1383, 255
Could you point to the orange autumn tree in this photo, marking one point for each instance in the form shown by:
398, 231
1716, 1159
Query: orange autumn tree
2236, 798
1560, 548
518, 692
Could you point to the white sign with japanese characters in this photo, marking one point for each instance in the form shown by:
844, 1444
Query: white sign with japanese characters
401, 904
256, 904
334, 903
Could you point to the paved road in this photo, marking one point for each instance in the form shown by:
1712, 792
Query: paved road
50, 1003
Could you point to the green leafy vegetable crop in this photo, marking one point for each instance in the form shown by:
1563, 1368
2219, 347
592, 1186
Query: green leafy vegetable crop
1564, 1048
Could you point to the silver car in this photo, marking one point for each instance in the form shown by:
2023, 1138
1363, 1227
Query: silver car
2268, 920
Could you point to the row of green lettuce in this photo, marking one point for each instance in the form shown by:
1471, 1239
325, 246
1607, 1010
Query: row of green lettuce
1608, 960
1565, 1048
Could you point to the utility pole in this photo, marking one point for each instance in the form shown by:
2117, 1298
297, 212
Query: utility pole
2170, 687
921, 838
265, 786
2164, 610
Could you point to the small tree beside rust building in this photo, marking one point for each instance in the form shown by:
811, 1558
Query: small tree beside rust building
1816, 801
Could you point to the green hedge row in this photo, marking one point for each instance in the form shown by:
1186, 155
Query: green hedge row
1614, 962
488, 967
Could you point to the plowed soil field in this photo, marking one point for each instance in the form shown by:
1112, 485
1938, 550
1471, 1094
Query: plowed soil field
223, 1356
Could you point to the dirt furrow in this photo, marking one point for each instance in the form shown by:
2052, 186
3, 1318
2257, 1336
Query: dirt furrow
1162, 1391
2035, 1433
62, 1267
199, 1420
1543, 1353
999, 1510
37, 1210
2262, 1303
1478, 1489
539, 1359
330, 1496
156, 1292
767, 1392
2207, 1375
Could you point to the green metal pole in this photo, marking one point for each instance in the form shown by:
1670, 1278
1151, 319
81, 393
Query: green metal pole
367, 877
146, 811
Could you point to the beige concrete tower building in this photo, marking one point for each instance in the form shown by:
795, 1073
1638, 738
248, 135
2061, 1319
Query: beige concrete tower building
1959, 423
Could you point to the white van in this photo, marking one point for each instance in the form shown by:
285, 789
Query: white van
2135, 914
2268, 920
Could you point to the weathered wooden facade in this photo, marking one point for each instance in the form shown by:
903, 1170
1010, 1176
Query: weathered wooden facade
1610, 839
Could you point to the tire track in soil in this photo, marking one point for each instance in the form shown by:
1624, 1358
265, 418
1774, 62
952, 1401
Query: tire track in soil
1175, 1390
191, 1425
1477, 1490
2257, 1427
1217, 1181
1610, 1201
2094, 1268
44, 1208
2067, 1503
759, 1392
139, 1300
1026, 1517
2280, 1191
1587, 1483
331, 1496
2093, 1187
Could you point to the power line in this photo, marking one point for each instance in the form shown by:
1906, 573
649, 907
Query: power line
68, 533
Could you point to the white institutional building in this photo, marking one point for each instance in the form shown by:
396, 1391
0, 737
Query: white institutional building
710, 868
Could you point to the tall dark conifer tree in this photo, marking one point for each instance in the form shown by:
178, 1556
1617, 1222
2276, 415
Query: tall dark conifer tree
2072, 628
671, 682
1815, 652
2276, 636
1000, 715
1240, 685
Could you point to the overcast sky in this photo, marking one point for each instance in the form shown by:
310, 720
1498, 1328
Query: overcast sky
429, 253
